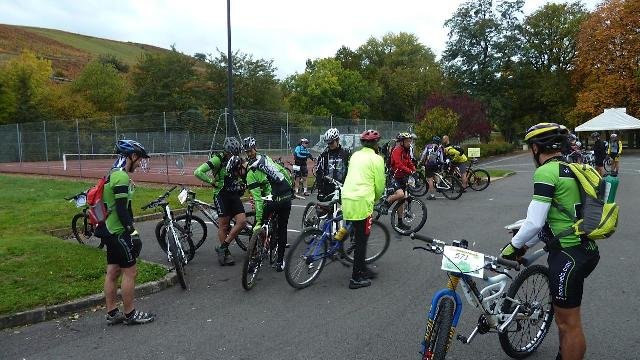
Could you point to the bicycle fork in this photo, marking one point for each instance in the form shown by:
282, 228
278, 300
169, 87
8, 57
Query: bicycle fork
450, 292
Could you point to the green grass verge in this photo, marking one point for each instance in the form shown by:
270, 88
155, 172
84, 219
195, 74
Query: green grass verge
498, 172
38, 269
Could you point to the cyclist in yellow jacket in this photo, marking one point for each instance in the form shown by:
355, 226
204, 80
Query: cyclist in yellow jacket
458, 159
363, 185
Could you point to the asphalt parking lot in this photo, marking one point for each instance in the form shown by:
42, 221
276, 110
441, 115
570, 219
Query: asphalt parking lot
217, 319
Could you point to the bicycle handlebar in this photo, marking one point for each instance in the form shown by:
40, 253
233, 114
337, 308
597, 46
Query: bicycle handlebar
333, 181
159, 200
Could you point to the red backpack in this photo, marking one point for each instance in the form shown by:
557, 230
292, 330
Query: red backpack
97, 208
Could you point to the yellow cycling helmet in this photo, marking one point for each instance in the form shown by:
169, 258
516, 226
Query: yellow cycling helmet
547, 135
404, 135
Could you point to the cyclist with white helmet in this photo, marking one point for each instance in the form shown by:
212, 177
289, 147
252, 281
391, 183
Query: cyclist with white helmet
121, 238
300, 156
615, 151
333, 162
227, 190
266, 177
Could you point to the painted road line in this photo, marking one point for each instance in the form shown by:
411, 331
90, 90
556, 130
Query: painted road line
503, 159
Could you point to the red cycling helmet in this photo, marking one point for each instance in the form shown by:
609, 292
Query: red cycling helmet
370, 135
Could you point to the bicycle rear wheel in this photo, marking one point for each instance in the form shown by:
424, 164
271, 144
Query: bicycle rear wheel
437, 342
478, 179
413, 217
377, 244
188, 247
253, 260
306, 258
177, 260
196, 228
607, 164
527, 331
451, 187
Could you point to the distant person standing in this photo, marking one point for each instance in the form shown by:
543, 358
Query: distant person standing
615, 151
300, 156
599, 152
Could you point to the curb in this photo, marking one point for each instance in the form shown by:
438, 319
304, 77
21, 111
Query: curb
47, 313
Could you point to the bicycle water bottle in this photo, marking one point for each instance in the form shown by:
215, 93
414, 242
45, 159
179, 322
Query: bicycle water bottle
611, 187
214, 213
341, 234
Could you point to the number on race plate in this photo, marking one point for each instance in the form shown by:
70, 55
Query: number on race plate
457, 260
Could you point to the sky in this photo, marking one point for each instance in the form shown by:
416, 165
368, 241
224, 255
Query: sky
286, 31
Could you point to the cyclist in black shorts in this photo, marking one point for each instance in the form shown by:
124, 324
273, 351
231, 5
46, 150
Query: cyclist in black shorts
121, 238
571, 257
599, 152
300, 156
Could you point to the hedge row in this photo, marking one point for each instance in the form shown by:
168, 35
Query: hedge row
492, 149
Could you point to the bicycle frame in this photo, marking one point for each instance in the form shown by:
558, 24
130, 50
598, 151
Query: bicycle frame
168, 223
327, 233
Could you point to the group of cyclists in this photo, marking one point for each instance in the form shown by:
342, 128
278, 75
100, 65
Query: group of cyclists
575, 151
571, 258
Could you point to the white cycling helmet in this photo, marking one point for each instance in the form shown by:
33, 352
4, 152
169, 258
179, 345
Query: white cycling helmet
331, 135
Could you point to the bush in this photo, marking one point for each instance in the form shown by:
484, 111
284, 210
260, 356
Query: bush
492, 148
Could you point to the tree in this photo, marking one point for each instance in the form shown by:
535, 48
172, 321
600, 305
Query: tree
255, 85
25, 81
110, 59
608, 59
326, 88
163, 82
103, 86
471, 115
401, 71
437, 121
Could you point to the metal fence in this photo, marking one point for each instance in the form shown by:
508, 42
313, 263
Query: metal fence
189, 132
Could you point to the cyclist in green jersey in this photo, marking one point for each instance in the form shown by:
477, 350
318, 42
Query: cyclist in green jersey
266, 177
121, 238
571, 258
363, 185
227, 190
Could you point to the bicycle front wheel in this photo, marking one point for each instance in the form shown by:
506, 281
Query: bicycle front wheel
253, 260
421, 185
177, 260
83, 231
310, 216
451, 187
306, 258
479, 179
607, 164
413, 216
530, 326
437, 342
184, 236
377, 244
196, 228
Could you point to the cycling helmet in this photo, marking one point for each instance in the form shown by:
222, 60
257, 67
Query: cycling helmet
304, 141
233, 164
403, 135
128, 147
232, 145
595, 134
436, 139
547, 136
248, 143
369, 138
331, 135
614, 136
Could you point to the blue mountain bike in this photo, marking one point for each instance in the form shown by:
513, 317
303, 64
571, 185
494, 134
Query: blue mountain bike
521, 315
315, 247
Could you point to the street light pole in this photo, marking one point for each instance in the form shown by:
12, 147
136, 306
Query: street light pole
230, 118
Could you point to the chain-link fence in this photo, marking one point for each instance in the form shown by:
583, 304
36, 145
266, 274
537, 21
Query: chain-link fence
56, 147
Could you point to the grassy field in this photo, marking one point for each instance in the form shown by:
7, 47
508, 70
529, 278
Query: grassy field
38, 269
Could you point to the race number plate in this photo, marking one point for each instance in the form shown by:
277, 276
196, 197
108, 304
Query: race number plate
182, 197
459, 260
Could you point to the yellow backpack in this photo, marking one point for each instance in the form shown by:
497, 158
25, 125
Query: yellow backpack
599, 219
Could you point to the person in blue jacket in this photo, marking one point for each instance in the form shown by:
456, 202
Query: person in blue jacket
300, 156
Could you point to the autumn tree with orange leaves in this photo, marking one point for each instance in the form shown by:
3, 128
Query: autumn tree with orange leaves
608, 60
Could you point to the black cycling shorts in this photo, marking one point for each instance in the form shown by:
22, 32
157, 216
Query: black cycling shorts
567, 270
430, 171
229, 204
399, 183
599, 162
121, 250
303, 172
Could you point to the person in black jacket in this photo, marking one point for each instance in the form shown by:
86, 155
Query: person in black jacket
599, 152
333, 162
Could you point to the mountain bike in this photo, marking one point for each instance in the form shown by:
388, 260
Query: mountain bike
178, 245
314, 247
81, 227
419, 186
196, 226
262, 245
316, 211
521, 316
477, 179
447, 184
414, 212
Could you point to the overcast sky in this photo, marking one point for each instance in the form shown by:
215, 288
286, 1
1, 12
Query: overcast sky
287, 31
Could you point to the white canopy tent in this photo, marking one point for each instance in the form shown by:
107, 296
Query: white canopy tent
611, 119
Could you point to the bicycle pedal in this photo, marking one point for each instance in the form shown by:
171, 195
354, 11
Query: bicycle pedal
463, 339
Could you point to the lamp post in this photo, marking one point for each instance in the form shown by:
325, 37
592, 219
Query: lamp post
230, 119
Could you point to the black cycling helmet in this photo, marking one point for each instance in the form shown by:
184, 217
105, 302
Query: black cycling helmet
436, 139
248, 143
595, 134
232, 146
233, 164
128, 147
547, 136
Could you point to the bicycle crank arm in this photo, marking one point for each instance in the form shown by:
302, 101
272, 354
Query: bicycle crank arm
467, 340
509, 319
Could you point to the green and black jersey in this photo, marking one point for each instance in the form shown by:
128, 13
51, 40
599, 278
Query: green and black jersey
217, 167
119, 186
554, 181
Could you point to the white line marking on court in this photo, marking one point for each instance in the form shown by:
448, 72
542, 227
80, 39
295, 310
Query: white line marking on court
291, 230
296, 205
